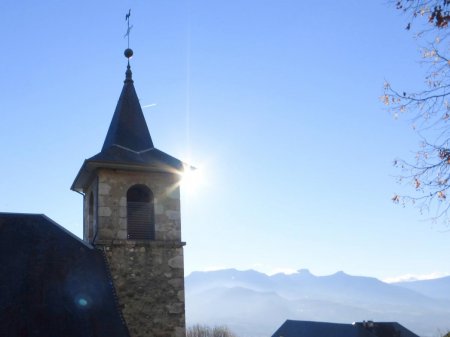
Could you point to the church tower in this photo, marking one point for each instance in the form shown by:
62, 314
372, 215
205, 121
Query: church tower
131, 206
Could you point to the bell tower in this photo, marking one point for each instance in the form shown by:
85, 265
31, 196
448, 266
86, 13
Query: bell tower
131, 211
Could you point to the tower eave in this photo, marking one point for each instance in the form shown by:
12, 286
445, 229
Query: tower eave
152, 160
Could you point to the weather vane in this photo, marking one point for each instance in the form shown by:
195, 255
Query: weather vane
127, 34
128, 52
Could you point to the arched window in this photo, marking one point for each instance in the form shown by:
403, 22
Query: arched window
91, 216
140, 213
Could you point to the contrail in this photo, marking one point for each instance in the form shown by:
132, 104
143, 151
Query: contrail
148, 105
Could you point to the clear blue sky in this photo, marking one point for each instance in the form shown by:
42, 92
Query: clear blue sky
277, 103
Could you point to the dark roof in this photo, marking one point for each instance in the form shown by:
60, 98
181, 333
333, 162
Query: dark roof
318, 329
386, 329
292, 328
128, 143
149, 158
128, 128
152, 160
53, 284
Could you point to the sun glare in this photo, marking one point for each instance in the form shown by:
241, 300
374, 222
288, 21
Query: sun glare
191, 180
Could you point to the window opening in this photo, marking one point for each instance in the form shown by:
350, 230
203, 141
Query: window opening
91, 216
140, 213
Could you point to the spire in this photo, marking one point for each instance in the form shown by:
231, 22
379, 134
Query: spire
128, 129
128, 144
128, 74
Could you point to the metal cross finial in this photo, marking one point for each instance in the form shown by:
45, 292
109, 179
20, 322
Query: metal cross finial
127, 34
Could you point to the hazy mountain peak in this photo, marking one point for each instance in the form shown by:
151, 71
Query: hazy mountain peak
304, 271
340, 273
339, 297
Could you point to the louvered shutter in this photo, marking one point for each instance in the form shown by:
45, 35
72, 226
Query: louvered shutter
140, 220
140, 213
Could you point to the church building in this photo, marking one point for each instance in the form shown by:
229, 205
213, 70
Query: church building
126, 277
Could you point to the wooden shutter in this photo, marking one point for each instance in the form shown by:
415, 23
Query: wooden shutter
140, 213
140, 220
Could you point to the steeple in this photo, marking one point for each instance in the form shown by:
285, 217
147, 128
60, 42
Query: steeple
131, 211
128, 144
128, 128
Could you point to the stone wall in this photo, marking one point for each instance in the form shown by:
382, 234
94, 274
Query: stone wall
148, 274
149, 281
90, 220
112, 203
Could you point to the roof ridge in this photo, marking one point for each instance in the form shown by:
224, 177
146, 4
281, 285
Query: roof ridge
128, 149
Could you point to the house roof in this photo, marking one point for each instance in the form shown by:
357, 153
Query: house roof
292, 328
128, 144
386, 329
53, 284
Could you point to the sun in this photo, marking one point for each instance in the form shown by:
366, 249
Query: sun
192, 179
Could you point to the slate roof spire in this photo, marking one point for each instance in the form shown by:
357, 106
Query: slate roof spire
128, 144
128, 129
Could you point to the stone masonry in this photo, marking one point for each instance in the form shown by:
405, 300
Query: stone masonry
110, 197
149, 281
148, 274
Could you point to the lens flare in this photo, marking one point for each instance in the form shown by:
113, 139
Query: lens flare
191, 180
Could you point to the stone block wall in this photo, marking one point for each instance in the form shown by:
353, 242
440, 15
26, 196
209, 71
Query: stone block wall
112, 203
90, 218
149, 282
148, 275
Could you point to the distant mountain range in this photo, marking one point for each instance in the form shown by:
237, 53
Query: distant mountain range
254, 304
438, 288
